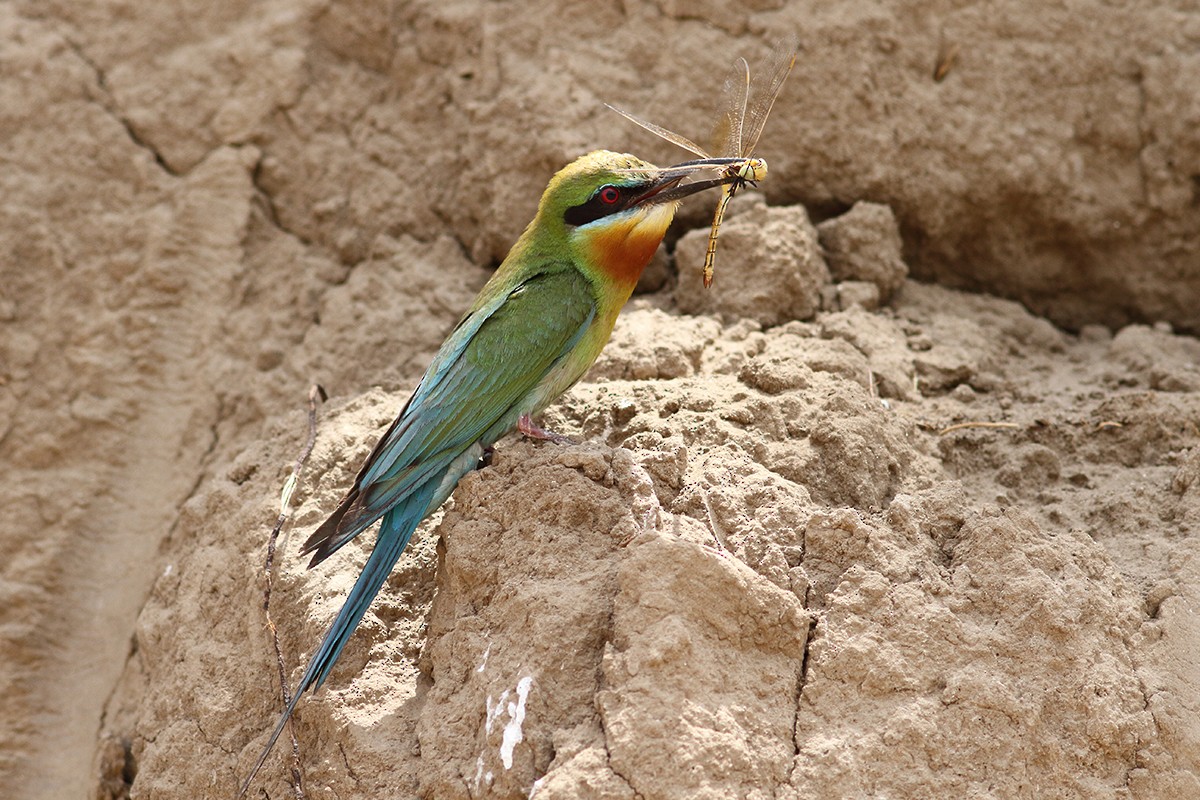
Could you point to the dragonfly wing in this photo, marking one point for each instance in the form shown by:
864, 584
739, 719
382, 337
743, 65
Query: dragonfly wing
777, 65
662, 133
727, 132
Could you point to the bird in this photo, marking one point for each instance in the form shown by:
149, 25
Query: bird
532, 332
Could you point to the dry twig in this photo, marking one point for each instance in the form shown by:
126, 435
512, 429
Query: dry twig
315, 394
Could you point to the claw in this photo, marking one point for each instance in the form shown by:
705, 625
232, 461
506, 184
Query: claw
528, 427
485, 460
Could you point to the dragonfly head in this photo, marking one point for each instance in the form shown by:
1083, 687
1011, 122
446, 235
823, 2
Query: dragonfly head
752, 169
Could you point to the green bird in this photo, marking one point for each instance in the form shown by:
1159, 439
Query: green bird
532, 332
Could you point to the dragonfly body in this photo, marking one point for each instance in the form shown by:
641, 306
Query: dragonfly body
735, 134
750, 171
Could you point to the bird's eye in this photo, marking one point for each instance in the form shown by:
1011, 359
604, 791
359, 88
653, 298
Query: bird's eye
608, 199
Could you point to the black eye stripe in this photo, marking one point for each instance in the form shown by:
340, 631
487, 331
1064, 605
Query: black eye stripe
595, 208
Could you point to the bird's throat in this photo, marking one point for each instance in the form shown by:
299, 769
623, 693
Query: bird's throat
623, 248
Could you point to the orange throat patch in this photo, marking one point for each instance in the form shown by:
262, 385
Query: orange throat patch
623, 247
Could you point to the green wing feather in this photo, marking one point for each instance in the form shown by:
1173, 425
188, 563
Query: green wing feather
496, 357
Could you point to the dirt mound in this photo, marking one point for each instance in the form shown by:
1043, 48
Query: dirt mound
827, 531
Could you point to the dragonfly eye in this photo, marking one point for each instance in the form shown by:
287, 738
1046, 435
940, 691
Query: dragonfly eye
609, 195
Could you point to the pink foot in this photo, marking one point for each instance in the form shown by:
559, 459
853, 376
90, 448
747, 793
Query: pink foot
527, 426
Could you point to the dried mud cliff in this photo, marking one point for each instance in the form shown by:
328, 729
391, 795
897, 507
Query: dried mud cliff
905, 506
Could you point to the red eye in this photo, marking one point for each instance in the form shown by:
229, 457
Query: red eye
609, 195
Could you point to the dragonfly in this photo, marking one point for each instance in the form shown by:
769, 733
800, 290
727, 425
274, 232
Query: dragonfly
735, 134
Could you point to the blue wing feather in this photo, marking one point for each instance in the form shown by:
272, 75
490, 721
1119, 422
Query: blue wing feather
491, 363
472, 393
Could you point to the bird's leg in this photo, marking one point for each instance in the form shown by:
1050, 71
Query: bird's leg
527, 426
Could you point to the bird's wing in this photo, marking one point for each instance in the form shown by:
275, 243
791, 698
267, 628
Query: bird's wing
496, 356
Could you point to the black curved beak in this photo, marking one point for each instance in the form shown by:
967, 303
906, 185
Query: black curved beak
664, 186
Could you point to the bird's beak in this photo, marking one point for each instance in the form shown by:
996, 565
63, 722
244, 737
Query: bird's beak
664, 186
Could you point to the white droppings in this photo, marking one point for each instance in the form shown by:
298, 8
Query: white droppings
478, 771
536, 785
494, 711
513, 733
486, 653
167, 572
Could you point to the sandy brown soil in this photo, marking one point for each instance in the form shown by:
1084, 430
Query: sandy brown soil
836, 528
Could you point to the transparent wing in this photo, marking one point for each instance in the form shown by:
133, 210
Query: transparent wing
777, 65
727, 132
662, 133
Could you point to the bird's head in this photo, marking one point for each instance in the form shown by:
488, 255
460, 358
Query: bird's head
613, 209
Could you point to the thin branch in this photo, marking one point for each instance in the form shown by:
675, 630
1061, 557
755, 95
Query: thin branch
315, 394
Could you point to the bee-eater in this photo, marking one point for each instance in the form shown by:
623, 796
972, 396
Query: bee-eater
534, 329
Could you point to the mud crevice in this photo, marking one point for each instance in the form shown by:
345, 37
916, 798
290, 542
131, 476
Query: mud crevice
1136, 760
202, 473
608, 759
801, 681
108, 102
266, 202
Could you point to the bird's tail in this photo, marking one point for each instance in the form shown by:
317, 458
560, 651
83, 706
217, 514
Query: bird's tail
397, 528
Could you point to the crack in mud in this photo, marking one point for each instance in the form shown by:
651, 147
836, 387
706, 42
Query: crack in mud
609, 761
346, 762
801, 680
266, 202
1135, 759
108, 102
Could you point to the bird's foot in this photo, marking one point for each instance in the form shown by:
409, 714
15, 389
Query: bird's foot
528, 427
485, 459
